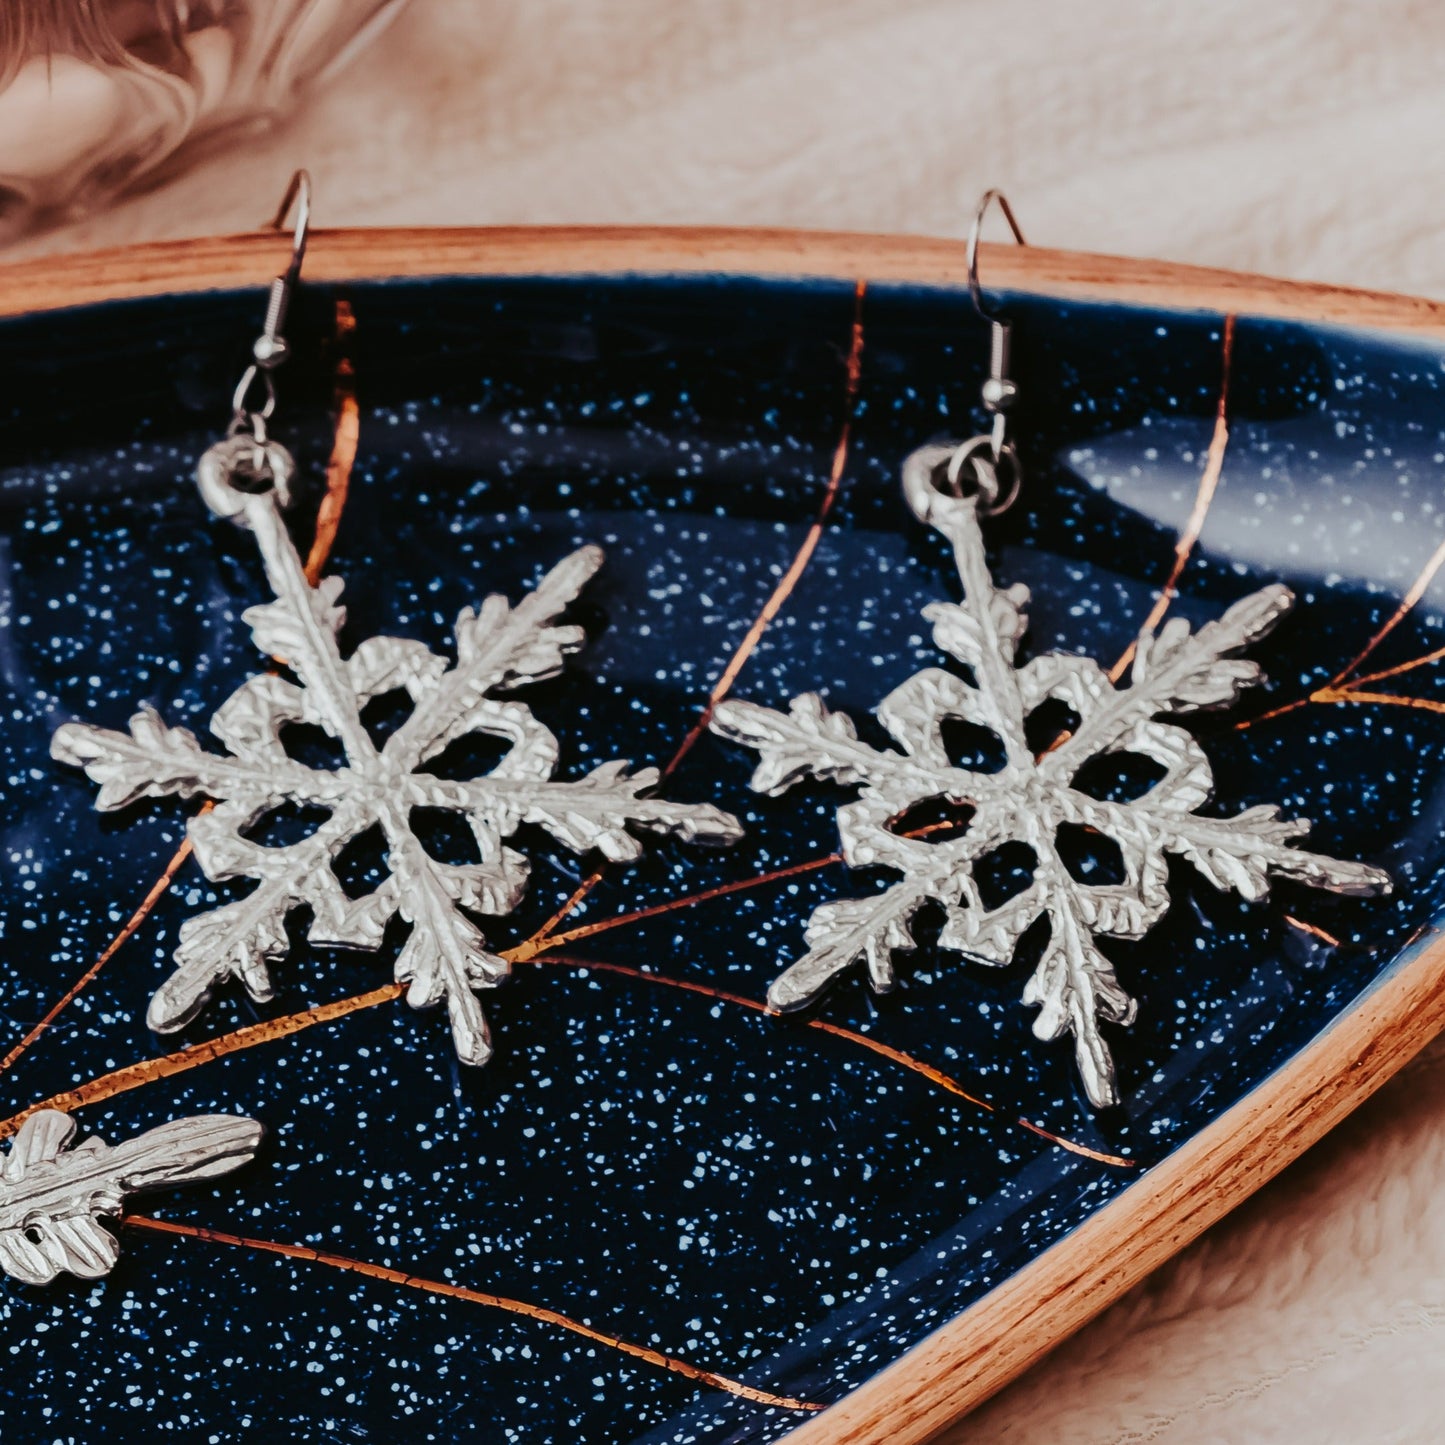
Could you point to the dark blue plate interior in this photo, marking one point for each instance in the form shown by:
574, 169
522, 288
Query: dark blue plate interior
755, 1196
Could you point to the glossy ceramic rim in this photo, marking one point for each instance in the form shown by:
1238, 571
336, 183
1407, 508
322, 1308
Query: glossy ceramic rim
981, 1349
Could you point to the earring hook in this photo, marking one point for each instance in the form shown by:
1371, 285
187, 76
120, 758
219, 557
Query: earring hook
271, 348
247, 461
1000, 390
299, 191
975, 291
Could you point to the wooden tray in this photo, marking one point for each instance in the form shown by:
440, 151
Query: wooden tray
1269, 1107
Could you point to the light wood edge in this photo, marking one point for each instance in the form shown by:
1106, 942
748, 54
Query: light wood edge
46, 283
980, 1350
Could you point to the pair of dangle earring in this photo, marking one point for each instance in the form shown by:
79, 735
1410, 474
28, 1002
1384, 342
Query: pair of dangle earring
502, 648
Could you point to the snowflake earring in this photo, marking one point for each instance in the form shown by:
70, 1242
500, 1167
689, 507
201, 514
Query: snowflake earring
500, 649
953, 487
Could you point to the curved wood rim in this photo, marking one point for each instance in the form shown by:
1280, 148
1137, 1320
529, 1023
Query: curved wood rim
356, 254
981, 1349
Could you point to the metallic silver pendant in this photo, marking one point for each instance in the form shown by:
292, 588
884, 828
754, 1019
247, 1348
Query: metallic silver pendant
500, 649
52, 1196
1031, 797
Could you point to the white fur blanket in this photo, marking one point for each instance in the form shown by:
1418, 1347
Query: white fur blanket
1302, 139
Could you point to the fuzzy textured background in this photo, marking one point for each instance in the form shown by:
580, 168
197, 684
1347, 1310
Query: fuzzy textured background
1290, 138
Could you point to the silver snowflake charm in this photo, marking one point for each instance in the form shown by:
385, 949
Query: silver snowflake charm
52, 1197
499, 649
1031, 797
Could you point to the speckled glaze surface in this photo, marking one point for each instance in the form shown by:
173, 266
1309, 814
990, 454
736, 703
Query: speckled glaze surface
767, 1200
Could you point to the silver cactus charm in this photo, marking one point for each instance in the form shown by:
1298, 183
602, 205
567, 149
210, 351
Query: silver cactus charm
53, 1196
500, 649
1030, 797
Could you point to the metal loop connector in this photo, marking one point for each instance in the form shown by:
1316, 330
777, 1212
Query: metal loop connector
243, 415
235, 471
990, 474
943, 479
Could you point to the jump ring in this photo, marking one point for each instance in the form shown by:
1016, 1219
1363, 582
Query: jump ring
996, 476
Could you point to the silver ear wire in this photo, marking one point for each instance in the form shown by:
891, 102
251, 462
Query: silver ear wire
974, 289
270, 348
1000, 390
247, 461
299, 191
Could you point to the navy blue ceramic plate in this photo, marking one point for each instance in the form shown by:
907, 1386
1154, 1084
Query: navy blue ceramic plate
770, 1210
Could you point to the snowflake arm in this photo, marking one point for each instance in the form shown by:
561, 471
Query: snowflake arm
445, 960
499, 648
809, 741
873, 928
53, 1196
840, 934
156, 761
984, 631
241, 939
1239, 854
595, 811
299, 629
1174, 671
1075, 986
